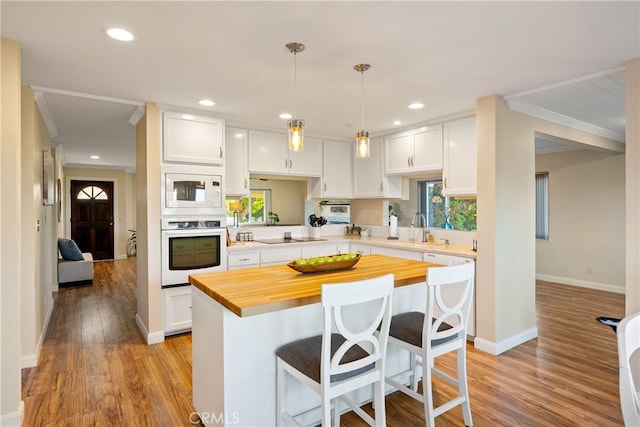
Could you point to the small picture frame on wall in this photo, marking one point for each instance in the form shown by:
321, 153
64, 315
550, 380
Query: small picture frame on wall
47, 178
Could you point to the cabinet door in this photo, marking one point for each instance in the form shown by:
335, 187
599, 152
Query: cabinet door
460, 157
367, 172
360, 249
239, 260
398, 153
268, 152
236, 165
308, 161
192, 139
177, 309
337, 165
427, 149
279, 256
400, 253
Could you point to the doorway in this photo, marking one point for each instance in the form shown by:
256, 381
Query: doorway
92, 217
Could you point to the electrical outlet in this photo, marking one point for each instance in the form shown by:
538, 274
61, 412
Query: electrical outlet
589, 270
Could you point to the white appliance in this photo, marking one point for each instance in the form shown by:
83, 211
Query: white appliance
192, 246
193, 193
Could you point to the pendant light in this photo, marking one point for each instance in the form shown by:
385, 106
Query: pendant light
296, 125
362, 143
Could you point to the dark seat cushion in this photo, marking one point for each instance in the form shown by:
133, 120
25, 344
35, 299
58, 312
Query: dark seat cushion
408, 327
69, 250
305, 354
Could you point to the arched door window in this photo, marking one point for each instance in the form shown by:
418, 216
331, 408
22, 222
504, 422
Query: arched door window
92, 192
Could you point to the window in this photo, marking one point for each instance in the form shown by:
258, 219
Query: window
542, 205
254, 210
457, 213
92, 193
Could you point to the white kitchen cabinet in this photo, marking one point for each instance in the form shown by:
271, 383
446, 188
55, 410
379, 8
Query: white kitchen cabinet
192, 139
360, 249
240, 260
269, 154
237, 164
369, 179
400, 253
279, 256
453, 290
460, 157
315, 250
337, 178
414, 151
177, 309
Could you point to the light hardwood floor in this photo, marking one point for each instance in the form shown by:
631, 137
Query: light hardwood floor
95, 368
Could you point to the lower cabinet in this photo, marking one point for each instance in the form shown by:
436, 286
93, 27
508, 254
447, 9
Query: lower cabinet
279, 256
177, 309
327, 249
239, 260
400, 253
361, 249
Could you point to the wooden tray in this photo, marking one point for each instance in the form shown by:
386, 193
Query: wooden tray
327, 266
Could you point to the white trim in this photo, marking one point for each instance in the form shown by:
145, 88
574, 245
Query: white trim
153, 338
136, 115
566, 82
504, 345
31, 360
582, 283
43, 106
87, 96
13, 418
543, 113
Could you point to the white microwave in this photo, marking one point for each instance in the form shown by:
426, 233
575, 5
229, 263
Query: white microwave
192, 194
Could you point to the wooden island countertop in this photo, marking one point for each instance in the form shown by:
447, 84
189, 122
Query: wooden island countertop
259, 290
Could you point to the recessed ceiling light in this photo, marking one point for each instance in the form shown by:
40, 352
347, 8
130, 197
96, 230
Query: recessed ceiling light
206, 102
415, 106
286, 116
119, 34
397, 122
94, 157
188, 117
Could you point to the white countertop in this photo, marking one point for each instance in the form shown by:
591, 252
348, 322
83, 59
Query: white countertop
440, 248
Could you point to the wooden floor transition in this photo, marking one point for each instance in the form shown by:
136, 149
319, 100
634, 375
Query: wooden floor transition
95, 368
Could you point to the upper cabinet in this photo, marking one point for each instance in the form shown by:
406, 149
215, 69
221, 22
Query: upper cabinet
460, 157
369, 179
414, 151
269, 154
192, 139
336, 171
237, 163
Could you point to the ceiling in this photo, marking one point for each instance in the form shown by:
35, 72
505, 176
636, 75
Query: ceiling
560, 60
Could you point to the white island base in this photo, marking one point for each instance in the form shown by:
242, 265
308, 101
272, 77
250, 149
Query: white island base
234, 363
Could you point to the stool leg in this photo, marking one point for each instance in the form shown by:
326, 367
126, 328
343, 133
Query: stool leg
280, 390
463, 388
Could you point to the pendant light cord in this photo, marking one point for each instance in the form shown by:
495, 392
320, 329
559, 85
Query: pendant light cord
362, 99
295, 85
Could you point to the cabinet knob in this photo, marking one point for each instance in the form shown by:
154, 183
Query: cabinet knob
325, 186
285, 163
409, 161
220, 151
245, 183
290, 163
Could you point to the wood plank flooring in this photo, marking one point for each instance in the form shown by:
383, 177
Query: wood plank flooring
95, 368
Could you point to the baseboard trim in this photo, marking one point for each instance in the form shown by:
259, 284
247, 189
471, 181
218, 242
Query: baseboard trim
150, 338
581, 283
31, 360
504, 345
13, 419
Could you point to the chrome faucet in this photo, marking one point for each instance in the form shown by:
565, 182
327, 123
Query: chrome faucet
414, 222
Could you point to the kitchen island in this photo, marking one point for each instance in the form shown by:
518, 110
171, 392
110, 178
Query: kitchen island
240, 317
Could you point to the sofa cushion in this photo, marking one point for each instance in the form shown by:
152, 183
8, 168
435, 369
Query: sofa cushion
69, 250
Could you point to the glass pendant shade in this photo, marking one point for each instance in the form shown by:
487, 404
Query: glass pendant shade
296, 134
362, 145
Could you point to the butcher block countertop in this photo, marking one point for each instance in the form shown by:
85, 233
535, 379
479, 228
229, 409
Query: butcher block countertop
259, 290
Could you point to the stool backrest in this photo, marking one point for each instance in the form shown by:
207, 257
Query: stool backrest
335, 299
449, 295
629, 359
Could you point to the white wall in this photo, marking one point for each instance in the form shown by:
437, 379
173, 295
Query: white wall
11, 407
586, 220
